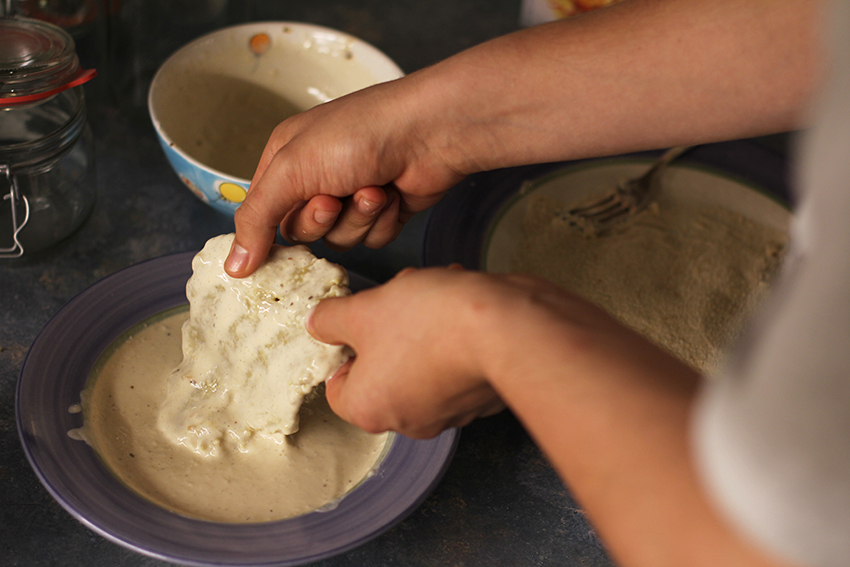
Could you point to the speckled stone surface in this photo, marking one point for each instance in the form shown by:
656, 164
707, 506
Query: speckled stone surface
500, 503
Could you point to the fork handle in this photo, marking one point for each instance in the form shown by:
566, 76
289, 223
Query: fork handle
670, 155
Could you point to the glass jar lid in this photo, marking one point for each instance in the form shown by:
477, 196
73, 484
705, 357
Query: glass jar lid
37, 60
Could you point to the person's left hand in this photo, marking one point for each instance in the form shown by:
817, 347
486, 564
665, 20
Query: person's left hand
351, 170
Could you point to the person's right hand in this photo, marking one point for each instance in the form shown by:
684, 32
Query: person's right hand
416, 368
351, 170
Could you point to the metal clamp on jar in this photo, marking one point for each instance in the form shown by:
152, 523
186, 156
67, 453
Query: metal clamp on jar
47, 185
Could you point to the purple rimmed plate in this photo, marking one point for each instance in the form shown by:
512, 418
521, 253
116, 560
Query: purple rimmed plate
52, 377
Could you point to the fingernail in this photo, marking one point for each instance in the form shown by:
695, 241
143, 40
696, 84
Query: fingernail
324, 217
367, 207
308, 322
237, 259
295, 238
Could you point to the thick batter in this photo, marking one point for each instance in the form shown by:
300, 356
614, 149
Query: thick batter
305, 471
216, 429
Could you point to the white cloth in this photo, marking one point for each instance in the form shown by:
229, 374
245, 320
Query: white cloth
772, 434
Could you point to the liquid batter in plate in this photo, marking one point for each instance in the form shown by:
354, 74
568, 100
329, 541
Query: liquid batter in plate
211, 430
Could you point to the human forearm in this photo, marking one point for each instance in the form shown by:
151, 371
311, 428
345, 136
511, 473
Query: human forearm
640, 75
611, 411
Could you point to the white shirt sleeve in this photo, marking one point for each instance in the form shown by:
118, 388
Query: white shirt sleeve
772, 433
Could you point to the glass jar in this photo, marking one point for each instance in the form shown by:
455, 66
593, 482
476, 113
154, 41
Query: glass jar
47, 180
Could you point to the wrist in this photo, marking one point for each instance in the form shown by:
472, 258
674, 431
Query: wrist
508, 327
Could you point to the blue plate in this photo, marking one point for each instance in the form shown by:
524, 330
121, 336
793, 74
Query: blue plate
459, 225
53, 375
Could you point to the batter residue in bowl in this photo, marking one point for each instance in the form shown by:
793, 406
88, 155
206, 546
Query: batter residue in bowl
223, 122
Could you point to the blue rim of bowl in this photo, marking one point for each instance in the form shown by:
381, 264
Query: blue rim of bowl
460, 225
51, 378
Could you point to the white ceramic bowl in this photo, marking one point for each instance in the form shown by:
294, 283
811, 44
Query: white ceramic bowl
215, 101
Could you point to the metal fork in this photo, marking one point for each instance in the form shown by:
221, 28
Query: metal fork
629, 197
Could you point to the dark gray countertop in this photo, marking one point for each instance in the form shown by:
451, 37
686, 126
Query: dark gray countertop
500, 502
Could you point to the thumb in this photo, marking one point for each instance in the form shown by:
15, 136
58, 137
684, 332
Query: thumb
256, 228
268, 201
327, 322
335, 388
